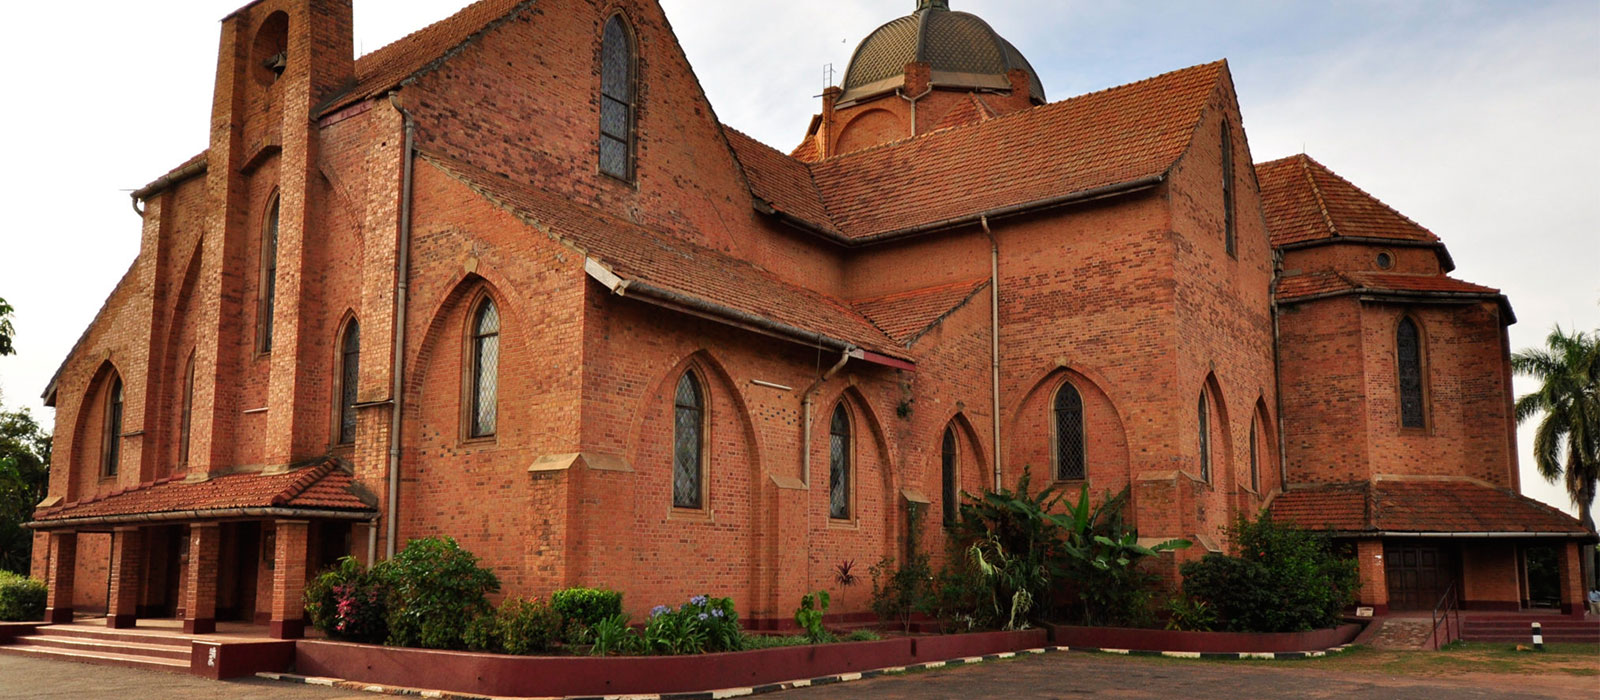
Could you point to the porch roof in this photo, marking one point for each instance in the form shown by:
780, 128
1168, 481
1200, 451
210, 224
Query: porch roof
1441, 507
322, 489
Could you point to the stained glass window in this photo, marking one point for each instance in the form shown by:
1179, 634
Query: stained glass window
1205, 438
1408, 345
1230, 239
839, 464
188, 412
1255, 469
485, 368
616, 100
269, 278
1069, 433
947, 463
113, 448
349, 380
687, 443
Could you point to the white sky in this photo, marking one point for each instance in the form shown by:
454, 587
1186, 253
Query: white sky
1476, 119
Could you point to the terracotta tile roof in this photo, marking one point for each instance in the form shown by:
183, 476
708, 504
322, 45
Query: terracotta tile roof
1327, 283
1097, 140
1304, 201
322, 487
634, 252
1422, 505
383, 69
906, 316
781, 181
972, 109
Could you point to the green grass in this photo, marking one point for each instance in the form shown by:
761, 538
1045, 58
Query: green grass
1459, 657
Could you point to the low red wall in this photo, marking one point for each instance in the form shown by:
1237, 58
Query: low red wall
494, 674
219, 660
1170, 640
9, 631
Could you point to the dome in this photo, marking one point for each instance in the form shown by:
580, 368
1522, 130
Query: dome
961, 49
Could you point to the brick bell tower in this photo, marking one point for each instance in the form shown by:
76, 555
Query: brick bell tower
932, 69
277, 61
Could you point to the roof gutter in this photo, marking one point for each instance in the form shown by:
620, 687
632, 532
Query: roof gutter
1079, 197
1481, 535
208, 514
160, 184
673, 299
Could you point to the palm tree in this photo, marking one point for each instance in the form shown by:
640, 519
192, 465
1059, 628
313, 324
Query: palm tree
1567, 441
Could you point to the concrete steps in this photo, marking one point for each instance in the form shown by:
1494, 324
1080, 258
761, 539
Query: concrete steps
1508, 629
96, 645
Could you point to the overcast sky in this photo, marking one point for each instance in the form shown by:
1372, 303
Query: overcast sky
1476, 119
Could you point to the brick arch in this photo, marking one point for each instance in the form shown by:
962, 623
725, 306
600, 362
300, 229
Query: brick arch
877, 527
715, 379
448, 319
869, 128
1267, 448
88, 431
1223, 475
1031, 434
974, 471
179, 353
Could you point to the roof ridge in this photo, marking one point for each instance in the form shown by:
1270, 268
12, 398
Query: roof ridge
1316, 191
811, 176
920, 290
307, 479
1352, 185
1033, 110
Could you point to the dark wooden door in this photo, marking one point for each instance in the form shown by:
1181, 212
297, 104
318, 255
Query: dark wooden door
1419, 574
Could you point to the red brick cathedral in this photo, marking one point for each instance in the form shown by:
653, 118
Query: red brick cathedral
509, 279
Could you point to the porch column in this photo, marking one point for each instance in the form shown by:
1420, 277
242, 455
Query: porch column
1374, 577
200, 579
127, 555
1569, 559
60, 572
290, 562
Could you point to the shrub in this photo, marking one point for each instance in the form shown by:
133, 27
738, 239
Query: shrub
704, 624
527, 626
813, 606
613, 636
22, 599
349, 602
583, 608
897, 591
1187, 615
1283, 580
435, 585
863, 635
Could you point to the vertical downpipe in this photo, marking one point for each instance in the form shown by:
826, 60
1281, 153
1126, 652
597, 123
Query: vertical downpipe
1277, 374
397, 385
994, 341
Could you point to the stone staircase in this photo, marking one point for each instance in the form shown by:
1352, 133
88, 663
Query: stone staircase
91, 643
1511, 628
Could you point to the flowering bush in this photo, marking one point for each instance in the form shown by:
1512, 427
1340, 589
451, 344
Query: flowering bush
349, 602
704, 624
436, 587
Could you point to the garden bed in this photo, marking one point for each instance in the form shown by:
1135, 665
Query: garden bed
495, 674
1171, 640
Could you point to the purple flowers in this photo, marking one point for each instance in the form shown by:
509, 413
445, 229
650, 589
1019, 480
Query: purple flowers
698, 600
659, 610
715, 612
704, 616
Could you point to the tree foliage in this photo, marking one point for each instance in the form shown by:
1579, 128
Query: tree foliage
1566, 444
7, 332
24, 479
1283, 580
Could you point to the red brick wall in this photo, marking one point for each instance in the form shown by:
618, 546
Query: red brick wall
1324, 391
1489, 574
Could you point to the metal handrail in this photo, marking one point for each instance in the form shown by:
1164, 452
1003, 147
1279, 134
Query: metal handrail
1442, 613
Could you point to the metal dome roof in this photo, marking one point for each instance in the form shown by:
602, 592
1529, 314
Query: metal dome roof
961, 48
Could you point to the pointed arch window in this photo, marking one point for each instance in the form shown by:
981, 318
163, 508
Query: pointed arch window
188, 411
1408, 348
839, 449
947, 464
688, 444
616, 99
349, 380
1255, 465
483, 388
1204, 412
111, 453
1229, 237
269, 279
1070, 442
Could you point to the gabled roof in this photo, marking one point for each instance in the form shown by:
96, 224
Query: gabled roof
1116, 137
1421, 506
710, 276
322, 487
907, 316
1305, 201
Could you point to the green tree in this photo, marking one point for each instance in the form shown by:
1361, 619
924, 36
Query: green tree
1566, 443
6, 331
24, 479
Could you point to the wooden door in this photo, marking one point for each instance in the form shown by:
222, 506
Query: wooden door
1419, 574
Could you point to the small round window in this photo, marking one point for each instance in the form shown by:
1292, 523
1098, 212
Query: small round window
1385, 260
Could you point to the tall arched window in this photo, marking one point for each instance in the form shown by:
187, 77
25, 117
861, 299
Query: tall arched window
688, 444
269, 279
1408, 348
1070, 442
616, 99
947, 464
839, 464
349, 381
1230, 239
1255, 467
188, 412
485, 370
1204, 412
111, 453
